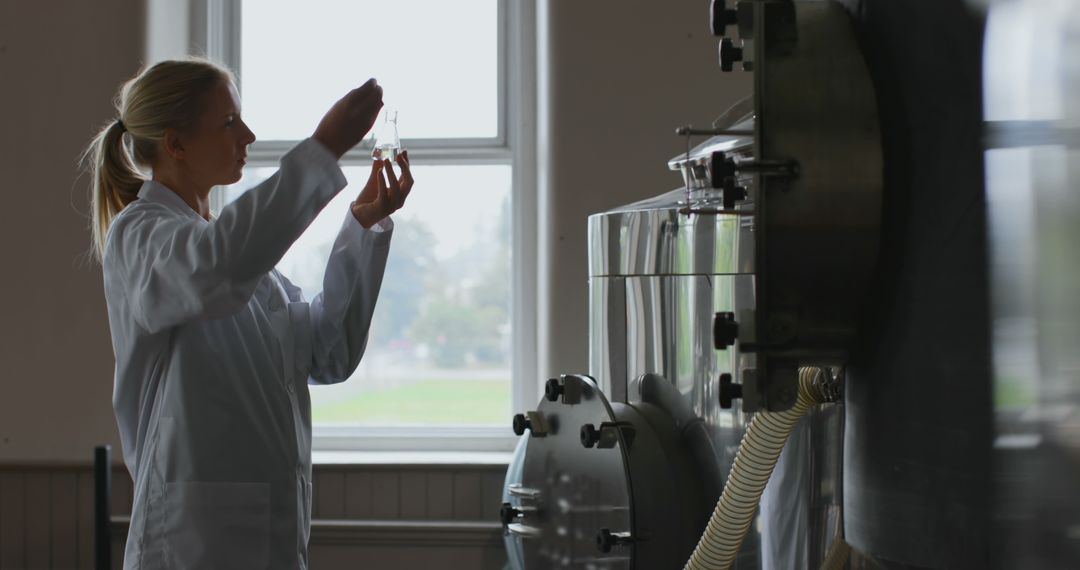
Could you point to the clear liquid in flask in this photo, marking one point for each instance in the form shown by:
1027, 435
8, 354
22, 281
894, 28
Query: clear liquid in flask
386, 152
386, 145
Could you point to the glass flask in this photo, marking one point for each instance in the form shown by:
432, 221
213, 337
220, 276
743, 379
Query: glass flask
385, 144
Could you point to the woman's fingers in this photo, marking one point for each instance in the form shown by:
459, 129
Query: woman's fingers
406, 172
380, 179
350, 118
395, 185
371, 190
367, 101
376, 166
384, 192
397, 191
385, 203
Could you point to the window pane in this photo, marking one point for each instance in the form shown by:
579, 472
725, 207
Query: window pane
437, 63
439, 350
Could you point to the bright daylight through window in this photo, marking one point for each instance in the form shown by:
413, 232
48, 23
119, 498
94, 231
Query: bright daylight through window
439, 350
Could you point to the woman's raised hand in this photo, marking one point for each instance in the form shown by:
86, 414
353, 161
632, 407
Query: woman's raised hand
346, 123
384, 192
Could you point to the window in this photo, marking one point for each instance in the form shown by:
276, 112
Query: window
452, 336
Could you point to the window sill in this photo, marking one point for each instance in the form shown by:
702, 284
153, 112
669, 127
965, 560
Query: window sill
381, 532
433, 441
411, 458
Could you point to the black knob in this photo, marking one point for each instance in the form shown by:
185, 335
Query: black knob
729, 54
725, 330
733, 194
729, 391
605, 539
589, 435
521, 423
507, 513
720, 17
720, 169
553, 389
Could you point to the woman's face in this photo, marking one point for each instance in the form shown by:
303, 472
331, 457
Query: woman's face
216, 149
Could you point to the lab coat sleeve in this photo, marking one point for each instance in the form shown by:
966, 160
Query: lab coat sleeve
177, 268
341, 313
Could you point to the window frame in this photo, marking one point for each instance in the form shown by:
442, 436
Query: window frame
215, 32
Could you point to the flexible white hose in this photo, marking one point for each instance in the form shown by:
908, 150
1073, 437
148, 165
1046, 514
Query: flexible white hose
754, 462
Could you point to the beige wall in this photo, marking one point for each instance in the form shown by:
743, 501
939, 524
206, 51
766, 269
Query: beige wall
620, 77
60, 63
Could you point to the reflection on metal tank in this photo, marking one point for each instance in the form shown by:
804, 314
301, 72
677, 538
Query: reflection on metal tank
1032, 106
657, 277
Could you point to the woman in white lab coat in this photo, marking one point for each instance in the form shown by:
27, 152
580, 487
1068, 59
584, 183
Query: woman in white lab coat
214, 348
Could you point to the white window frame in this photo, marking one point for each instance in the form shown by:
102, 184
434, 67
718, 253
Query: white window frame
214, 32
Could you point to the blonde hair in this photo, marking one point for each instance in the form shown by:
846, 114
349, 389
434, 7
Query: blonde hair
170, 94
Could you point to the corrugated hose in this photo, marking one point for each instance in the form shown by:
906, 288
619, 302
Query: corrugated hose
754, 462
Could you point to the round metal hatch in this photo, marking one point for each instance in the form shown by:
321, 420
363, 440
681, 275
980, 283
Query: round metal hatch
570, 495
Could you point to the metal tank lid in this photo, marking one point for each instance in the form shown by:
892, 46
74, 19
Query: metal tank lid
732, 140
655, 236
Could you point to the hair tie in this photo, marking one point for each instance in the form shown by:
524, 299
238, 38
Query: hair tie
123, 129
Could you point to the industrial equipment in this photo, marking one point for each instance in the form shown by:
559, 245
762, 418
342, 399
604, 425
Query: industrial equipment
729, 318
735, 295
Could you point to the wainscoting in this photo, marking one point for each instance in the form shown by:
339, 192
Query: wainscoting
364, 516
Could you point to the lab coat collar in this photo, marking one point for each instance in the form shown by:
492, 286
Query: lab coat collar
154, 191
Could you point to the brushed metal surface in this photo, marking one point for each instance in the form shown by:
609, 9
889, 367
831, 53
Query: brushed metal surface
819, 240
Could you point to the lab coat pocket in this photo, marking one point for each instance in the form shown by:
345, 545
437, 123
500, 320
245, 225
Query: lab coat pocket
217, 525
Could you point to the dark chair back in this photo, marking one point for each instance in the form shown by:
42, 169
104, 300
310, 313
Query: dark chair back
102, 507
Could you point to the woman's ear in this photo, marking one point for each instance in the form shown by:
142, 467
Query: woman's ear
172, 143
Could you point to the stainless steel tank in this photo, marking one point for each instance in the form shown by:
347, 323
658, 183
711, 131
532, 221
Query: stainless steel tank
658, 276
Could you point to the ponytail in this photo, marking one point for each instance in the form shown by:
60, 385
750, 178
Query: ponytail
114, 179
119, 158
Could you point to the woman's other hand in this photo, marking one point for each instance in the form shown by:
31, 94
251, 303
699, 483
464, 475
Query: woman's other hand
384, 192
346, 123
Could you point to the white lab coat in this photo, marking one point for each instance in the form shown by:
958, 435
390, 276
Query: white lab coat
214, 350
